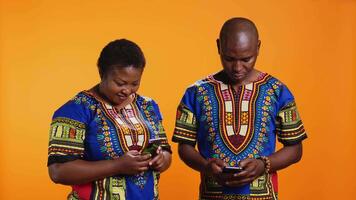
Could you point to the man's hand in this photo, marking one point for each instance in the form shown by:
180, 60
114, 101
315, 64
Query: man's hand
214, 166
252, 169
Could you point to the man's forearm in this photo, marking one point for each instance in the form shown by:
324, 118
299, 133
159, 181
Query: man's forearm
286, 156
192, 157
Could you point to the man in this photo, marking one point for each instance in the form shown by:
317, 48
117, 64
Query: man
235, 117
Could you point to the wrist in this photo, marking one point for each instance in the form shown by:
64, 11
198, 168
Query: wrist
116, 166
206, 167
165, 163
266, 162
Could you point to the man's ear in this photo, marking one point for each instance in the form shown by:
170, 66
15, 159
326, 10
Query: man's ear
258, 46
218, 45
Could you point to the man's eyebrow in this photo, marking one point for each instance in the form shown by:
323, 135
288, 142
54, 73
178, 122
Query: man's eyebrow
126, 81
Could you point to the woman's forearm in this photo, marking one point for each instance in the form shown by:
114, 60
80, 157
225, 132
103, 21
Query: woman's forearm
81, 171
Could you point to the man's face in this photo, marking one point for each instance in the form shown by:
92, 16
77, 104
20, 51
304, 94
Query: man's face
238, 54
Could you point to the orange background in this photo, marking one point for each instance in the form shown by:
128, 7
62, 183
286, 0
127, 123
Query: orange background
48, 53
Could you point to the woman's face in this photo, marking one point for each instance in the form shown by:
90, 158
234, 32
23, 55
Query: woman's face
120, 82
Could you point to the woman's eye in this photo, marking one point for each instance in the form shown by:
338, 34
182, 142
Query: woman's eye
120, 84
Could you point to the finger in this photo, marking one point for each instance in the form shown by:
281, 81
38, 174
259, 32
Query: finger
243, 174
158, 167
144, 157
159, 150
216, 169
243, 163
143, 169
134, 152
220, 162
142, 164
156, 159
241, 182
225, 177
217, 163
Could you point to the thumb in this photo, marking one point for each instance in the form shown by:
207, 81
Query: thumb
220, 163
244, 162
133, 153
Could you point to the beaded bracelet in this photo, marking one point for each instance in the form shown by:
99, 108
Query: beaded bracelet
267, 163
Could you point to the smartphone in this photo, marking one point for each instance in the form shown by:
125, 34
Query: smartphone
152, 146
232, 170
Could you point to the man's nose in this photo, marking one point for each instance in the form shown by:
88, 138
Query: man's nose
237, 65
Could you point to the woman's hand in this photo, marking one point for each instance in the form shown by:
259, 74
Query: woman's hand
252, 169
132, 162
161, 161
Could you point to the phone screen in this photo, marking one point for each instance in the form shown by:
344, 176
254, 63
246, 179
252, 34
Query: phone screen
232, 170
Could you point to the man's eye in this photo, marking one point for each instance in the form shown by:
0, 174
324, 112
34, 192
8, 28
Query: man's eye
246, 59
228, 59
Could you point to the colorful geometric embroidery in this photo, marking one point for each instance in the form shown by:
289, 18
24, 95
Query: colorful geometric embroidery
236, 135
234, 125
106, 133
185, 125
155, 123
73, 196
113, 188
132, 132
262, 188
156, 176
66, 139
290, 129
240, 136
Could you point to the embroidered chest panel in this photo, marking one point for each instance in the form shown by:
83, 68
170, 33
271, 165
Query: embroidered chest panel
236, 115
237, 121
119, 131
130, 126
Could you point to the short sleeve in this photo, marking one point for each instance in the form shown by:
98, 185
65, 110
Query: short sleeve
289, 126
67, 133
186, 125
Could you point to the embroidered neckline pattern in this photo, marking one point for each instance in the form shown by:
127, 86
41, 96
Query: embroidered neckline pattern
133, 134
238, 133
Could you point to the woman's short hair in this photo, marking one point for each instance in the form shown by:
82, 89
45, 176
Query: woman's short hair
120, 53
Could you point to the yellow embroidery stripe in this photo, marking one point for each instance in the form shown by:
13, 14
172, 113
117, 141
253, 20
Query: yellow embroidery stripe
289, 129
65, 146
177, 136
63, 154
291, 138
185, 134
185, 130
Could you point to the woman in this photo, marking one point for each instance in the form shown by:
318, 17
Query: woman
98, 138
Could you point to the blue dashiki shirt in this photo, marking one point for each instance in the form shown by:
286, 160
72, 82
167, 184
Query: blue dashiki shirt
234, 125
89, 129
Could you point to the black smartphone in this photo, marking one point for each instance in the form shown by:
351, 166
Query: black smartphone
152, 146
232, 170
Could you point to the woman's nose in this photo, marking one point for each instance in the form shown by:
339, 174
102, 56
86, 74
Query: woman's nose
126, 91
